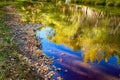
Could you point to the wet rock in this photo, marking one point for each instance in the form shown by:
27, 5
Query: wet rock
59, 78
54, 67
58, 69
12, 59
65, 70
60, 59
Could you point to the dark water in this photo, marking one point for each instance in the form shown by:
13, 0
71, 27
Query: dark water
71, 62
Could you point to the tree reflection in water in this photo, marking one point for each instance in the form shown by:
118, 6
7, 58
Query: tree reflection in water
79, 27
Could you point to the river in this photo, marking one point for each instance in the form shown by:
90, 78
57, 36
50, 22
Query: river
85, 48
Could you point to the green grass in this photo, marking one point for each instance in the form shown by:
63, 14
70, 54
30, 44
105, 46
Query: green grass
5, 51
5, 3
5, 35
101, 2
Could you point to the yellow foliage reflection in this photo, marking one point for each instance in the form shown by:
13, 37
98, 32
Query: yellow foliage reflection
96, 33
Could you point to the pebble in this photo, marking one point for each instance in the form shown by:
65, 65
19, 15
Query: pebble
58, 69
65, 70
10, 56
12, 59
60, 59
59, 78
50, 74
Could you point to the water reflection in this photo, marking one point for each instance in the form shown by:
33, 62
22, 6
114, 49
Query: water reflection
81, 27
72, 61
82, 34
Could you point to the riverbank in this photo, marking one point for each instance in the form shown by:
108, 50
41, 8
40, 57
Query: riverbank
24, 59
115, 3
77, 27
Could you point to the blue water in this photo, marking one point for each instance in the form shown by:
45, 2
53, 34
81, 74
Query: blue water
72, 61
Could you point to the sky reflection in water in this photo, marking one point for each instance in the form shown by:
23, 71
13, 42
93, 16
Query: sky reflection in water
71, 62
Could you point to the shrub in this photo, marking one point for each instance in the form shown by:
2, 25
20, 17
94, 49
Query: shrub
109, 2
88, 1
117, 3
100, 2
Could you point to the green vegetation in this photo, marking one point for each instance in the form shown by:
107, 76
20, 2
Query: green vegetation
5, 36
89, 2
12, 63
106, 9
99, 2
4, 3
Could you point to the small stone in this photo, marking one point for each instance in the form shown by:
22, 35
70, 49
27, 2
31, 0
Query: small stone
36, 64
58, 69
60, 59
65, 70
54, 67
12, 59
9, 56
50, 74
59, 78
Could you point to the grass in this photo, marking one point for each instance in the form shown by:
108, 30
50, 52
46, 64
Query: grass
4, 49
102, 2
5, 3
5, 40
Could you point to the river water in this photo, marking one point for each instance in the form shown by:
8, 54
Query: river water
71, 62
87, 48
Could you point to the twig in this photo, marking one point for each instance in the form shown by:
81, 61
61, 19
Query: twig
13, 38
